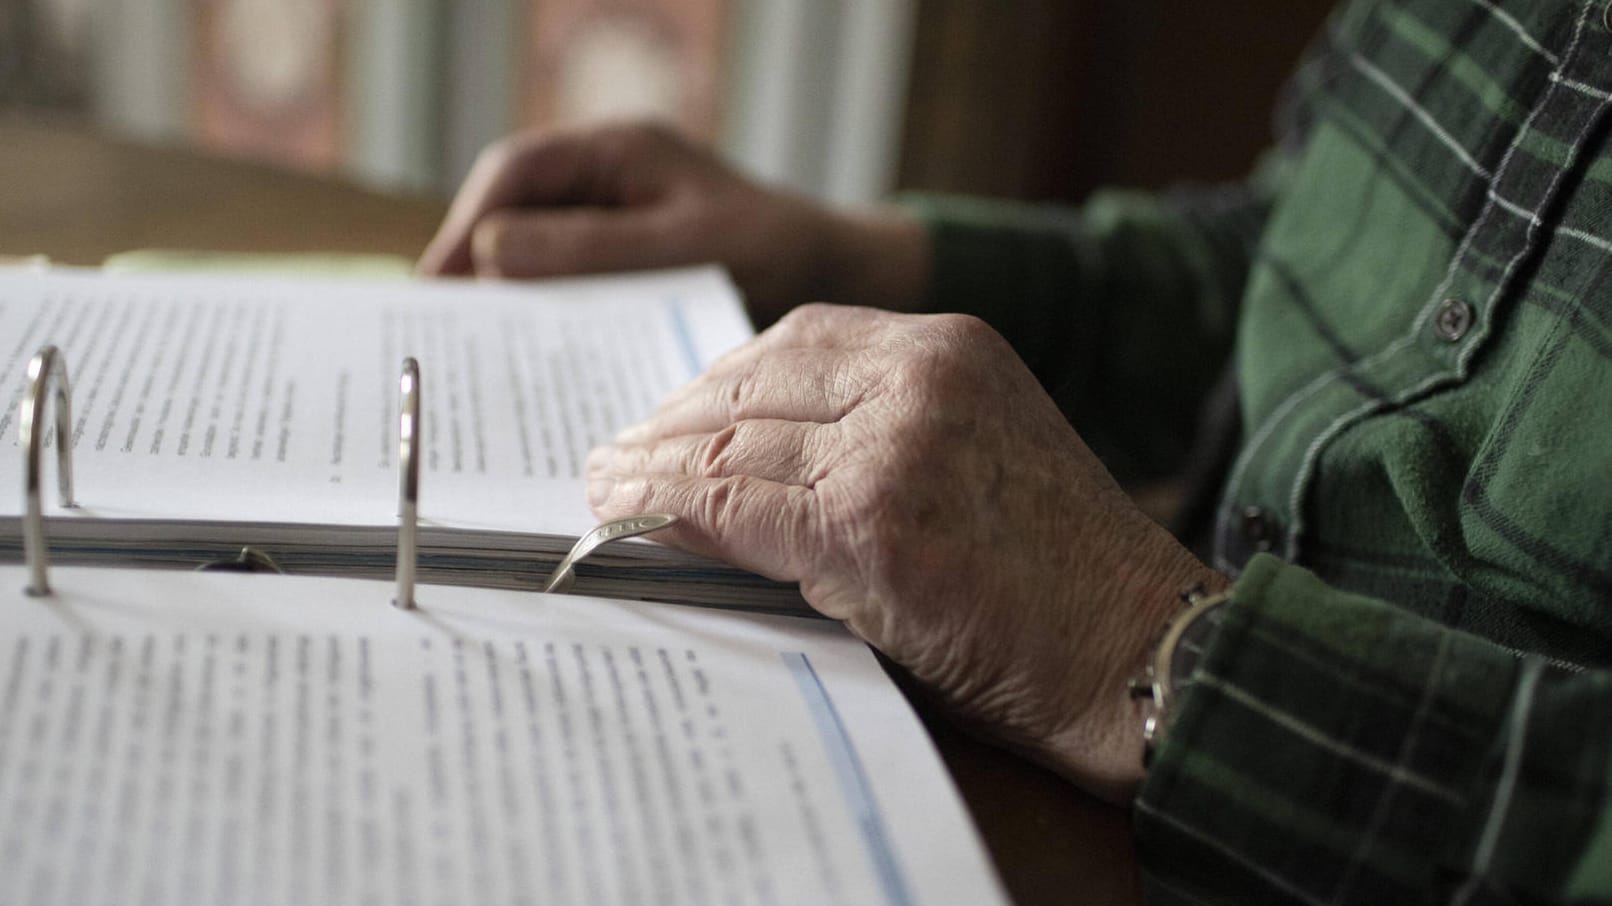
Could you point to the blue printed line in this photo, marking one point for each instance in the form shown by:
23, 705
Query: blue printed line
685, 337
853, 780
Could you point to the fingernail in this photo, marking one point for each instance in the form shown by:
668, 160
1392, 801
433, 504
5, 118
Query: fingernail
633, 434
599, 490
599, 459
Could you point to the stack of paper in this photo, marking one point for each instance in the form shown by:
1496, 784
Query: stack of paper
213, 412
172, 738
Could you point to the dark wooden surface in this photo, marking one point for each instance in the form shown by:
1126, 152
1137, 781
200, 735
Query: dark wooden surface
77, 197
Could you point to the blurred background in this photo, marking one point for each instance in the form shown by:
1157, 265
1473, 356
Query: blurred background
844, 99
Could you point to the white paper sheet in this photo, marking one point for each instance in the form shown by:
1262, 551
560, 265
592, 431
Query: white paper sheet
180, 738
275, 400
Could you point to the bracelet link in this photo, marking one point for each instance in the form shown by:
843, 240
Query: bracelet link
1171, 664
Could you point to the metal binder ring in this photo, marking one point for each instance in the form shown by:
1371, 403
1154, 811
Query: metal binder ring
47, 368
249, 560
616, 529
408, 486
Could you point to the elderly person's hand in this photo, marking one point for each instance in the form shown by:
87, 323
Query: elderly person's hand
634, 196
910, 473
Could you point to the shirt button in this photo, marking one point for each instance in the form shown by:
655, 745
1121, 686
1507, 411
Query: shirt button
1259, 529
1454, 318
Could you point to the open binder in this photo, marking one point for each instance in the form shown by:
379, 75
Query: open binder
178, 737
226, 413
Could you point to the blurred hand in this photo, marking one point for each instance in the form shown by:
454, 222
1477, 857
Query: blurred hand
634, 196
911, 474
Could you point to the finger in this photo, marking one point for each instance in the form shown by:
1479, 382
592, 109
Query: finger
802, 385
574, 241
786, 452
752, 523
548, 169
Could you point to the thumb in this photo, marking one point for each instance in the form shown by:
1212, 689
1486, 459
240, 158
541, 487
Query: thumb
546, 169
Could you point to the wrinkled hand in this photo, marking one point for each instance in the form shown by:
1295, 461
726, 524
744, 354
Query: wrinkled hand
910, 473
635, 196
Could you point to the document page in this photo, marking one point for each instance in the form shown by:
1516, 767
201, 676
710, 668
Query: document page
198, 737
276, 400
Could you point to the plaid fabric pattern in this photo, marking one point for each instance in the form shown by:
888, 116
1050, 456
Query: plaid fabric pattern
1411, 698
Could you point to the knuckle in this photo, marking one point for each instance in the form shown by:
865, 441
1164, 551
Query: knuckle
718, 503
742, 389
846, 380
954, 336
715, 457
816, 311
787, 326
966, 337
803, 318
916, 367
946, 354
961, 325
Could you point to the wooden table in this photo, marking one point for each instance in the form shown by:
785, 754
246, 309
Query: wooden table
77, 197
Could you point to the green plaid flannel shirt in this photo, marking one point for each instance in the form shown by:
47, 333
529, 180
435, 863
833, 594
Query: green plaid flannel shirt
1410, 699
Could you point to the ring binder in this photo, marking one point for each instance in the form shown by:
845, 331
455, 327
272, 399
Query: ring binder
408, 490
45, 370
292, 448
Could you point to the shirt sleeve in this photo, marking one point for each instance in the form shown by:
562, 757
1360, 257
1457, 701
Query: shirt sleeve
1335, 749
1124, 308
